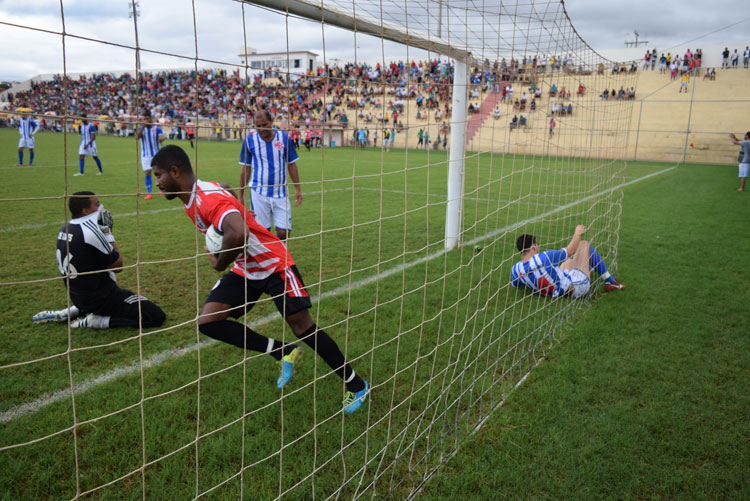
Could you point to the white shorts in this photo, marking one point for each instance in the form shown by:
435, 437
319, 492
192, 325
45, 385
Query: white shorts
580, 282
146, 163
89, 152
743, 169
26, 143
270, 210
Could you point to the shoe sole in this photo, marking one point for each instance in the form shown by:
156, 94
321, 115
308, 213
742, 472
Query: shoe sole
45, 320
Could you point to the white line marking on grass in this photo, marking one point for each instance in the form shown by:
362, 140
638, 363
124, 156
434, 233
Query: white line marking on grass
333, 190
163, 356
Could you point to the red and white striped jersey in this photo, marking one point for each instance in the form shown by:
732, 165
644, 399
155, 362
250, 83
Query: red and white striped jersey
265, 253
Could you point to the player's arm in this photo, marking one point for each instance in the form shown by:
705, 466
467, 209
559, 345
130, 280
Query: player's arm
244, 177
139, 132
734, 139
294, 176
573, 245
93, 138
117, 265
234, 230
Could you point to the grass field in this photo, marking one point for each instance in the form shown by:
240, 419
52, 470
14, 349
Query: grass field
440, 334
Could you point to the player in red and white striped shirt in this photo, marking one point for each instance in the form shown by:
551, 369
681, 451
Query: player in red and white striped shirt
260, 263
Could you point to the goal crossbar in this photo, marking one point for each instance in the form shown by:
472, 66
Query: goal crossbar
362, 23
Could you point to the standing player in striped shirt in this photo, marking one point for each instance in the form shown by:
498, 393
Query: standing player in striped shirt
270, 153
260, 263
88, 146
151, 137
27, 127
564, 272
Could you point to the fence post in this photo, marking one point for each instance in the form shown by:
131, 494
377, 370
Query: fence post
690, 115
638, 133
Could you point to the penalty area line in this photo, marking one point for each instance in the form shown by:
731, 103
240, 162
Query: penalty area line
84, 386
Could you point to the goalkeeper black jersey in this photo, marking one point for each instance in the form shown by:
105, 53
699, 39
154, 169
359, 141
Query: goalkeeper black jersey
82, 249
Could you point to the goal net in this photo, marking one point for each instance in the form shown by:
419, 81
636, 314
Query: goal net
430, 135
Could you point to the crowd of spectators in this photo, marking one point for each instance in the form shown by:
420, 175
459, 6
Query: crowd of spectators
226, 101
173, 95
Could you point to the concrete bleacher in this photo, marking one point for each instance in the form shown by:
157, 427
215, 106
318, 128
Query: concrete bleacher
657, 120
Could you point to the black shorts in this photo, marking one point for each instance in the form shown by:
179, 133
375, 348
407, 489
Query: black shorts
128, 309
286, 288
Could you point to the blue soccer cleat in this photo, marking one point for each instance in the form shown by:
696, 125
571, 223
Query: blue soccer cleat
287, 366
353, 401
48, 316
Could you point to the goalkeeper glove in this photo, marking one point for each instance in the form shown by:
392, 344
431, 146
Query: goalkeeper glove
106, 223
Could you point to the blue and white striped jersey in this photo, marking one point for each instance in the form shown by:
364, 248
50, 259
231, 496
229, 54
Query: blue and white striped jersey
27, 127
269, 161
542, 274
150, 140
87, 132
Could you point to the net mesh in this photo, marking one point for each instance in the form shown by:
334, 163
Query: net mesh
440, 335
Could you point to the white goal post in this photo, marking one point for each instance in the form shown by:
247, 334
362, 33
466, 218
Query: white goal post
336, 15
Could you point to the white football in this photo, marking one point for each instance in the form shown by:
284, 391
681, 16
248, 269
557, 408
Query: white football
214, 240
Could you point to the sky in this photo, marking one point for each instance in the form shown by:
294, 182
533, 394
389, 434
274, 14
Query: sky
168, 26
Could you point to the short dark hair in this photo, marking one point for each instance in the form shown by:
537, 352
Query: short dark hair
747, 134
265, 112
171, 155
525, 242
78, 201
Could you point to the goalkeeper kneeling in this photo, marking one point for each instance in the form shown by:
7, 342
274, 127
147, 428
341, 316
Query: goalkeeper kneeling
88, 259
564, 272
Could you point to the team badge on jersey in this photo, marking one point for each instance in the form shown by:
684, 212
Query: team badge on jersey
200, 223
278, 145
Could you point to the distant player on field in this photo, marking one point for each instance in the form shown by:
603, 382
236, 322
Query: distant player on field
88, 258
744, 158
266, 155
260, 263
88, 146
564, 272
151, 137
190, 132
27, 127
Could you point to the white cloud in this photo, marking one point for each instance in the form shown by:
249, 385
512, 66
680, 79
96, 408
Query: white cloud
168, 26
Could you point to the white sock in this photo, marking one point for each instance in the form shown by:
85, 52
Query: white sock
99, 322
606, 275
73, 311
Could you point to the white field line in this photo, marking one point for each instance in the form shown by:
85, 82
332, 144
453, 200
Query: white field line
161, 357
156, 211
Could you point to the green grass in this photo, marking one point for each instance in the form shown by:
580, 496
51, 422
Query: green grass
648, 396
444, 339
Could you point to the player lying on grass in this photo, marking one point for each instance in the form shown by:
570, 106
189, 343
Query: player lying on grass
564, 272
260, 262
88, 258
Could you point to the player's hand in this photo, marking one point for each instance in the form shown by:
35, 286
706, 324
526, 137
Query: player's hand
212, 258
297, 197
581, 229
105, 221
